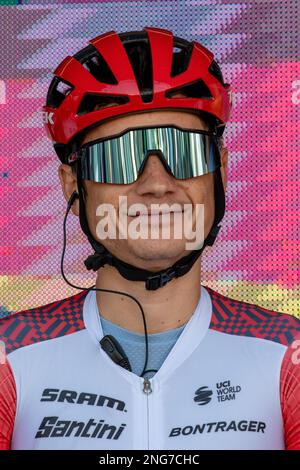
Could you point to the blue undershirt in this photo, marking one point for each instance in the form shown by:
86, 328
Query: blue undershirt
159, 345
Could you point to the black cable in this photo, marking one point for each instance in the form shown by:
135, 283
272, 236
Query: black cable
99, 289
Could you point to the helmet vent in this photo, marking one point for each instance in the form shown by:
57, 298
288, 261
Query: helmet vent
215, 70
93, 102
196, 89
94, 63
58, 90
139, 55
181, 57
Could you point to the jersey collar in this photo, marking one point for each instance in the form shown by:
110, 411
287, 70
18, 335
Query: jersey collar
191, 337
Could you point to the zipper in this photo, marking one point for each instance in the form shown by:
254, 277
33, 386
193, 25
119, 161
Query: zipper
147, 389
147, 386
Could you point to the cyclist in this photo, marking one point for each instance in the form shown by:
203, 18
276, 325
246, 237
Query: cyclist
148, 358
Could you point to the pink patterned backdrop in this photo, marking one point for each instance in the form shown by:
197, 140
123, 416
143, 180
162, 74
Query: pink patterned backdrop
256, 255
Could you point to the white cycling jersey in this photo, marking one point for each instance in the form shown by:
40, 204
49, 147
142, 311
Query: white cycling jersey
229, 382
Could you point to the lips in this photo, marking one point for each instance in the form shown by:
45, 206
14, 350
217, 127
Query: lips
154, 212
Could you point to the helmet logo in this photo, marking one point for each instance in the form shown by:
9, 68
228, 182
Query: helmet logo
47, 117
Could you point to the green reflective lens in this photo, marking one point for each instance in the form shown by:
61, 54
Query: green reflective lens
120, 159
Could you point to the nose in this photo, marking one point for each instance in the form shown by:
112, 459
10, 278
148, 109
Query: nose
154, 178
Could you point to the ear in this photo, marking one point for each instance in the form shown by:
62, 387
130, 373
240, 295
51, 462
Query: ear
68, 181
224, 167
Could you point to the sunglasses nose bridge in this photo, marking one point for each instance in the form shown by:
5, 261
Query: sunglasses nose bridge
161, 157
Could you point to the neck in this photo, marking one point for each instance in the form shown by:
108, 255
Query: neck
166, 308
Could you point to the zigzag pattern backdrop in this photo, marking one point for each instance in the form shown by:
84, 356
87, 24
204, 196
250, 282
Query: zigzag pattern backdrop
256, 255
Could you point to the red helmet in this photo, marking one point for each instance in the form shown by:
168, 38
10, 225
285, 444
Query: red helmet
132, 79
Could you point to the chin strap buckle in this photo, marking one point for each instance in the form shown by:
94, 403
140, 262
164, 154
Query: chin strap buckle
159, 280
98, 259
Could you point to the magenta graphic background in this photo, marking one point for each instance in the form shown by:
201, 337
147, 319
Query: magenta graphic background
256, 255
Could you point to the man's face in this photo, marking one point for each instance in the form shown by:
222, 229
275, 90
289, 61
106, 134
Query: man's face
153, 186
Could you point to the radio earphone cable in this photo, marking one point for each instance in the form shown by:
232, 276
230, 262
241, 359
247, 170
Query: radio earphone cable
73, 197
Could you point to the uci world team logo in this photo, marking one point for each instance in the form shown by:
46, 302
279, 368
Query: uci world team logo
203, 396
223, 391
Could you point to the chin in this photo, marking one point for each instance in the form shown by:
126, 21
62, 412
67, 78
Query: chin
157, 250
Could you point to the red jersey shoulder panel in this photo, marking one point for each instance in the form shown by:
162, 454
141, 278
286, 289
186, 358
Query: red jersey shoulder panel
290, 395
38, 324
241, 318
7, 405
